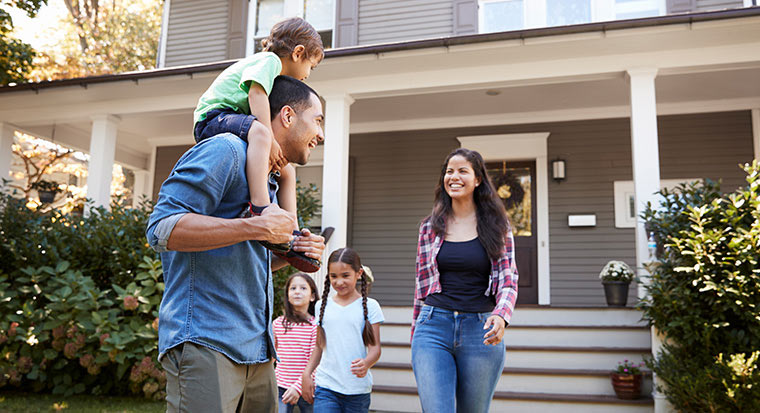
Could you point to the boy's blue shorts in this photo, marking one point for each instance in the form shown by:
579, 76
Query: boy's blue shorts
223, 121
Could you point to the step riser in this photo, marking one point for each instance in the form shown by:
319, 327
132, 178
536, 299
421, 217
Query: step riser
393, 402
548, 316
523, 383
537, 359
571, 337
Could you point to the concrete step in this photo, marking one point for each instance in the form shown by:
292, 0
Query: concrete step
404, 399
542, 335
542, 357
548, 315
523, 380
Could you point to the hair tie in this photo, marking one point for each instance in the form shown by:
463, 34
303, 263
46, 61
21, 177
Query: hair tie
368, 274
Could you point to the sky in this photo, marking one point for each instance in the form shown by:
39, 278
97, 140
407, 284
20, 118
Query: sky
37, 31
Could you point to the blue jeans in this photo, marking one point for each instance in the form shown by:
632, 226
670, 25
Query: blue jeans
303, 405
223, 121
328, 401
454, 370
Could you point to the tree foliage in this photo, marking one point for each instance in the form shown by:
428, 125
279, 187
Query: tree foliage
16, 57
103, 37
704, 296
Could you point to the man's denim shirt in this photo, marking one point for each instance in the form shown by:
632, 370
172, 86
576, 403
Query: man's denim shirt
221, 298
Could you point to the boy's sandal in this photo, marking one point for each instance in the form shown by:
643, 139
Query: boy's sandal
253, 210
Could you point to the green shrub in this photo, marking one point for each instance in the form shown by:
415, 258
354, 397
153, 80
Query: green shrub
704, 295
60, 332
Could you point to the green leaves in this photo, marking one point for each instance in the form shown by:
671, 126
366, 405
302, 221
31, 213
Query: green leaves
704, 294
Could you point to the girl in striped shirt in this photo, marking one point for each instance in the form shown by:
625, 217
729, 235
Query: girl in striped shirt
295, 335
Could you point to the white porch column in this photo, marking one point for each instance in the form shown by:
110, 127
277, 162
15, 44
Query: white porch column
646, 180
142, 188
335, 168
102, 152
6, 150
756, 132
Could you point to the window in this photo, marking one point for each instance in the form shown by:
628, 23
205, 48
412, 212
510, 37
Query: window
505, 15
263, 14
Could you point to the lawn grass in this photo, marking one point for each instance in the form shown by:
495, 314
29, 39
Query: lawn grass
12, 402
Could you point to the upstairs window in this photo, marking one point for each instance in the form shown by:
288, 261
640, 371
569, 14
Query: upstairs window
263, 14
506, 15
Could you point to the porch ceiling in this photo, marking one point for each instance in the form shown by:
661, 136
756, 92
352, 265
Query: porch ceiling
708, 66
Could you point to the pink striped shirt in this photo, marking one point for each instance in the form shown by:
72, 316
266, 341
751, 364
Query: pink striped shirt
294, 349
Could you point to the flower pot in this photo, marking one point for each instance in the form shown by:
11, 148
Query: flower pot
627, 386
46, 197
616, 293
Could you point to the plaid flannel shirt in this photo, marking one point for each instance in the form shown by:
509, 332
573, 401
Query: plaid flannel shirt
502, 282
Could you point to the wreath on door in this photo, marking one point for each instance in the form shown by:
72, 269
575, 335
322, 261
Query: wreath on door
509, 189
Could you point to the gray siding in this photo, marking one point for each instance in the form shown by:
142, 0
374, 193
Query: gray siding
385, 21
708, 5
166, 158
395, 176
198, 32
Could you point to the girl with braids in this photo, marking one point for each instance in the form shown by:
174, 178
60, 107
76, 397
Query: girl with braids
348, 339
466, 288
295, 336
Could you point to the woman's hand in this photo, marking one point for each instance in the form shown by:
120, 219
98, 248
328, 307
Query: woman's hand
307, 388
359, 368
496, 333
290, 396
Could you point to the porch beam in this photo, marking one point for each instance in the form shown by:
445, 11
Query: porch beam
102, 153
6, 149
335, 168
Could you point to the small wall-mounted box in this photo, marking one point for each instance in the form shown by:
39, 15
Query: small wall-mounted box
584, 220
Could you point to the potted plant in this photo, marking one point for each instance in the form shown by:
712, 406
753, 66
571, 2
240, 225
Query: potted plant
626, 380
616, 276
46, 190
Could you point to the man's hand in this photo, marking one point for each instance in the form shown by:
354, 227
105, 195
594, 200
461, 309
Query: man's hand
291, 396
278, 223
311, 245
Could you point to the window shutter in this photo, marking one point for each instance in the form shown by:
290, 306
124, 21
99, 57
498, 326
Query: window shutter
681, 6
237, 28
465, 17
346, 23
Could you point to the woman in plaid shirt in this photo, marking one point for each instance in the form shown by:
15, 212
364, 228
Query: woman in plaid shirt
466, 283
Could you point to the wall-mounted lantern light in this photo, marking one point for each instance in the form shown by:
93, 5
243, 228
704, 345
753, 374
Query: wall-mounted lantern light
558, 170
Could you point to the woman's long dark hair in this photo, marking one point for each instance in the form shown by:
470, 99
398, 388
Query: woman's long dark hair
493, 223
291, 316
350, 257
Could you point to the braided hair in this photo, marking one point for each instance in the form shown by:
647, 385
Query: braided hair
350, 257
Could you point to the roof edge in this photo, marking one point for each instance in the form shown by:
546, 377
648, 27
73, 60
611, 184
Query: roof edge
410, 45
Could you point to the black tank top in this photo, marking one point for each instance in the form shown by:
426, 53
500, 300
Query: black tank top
465, 269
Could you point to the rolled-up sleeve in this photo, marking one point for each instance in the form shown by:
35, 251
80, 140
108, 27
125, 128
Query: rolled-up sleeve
158, 235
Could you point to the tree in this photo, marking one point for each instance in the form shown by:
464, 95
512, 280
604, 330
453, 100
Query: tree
16, 57
103, 37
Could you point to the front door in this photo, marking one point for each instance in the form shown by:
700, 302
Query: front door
515, 183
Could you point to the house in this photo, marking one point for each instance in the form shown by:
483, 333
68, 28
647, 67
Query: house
625, 95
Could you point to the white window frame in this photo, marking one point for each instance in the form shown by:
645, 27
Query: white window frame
625, 217
534, 11
291, 8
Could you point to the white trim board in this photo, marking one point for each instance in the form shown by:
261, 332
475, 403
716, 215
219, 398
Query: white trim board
522, 146
164, 35
756, 132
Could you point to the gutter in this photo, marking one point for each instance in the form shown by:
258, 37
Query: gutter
410, 45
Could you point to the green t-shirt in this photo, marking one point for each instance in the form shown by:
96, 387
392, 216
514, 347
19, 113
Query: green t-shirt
230, 88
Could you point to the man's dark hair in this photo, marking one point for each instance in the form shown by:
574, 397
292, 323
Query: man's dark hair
288, 91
